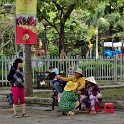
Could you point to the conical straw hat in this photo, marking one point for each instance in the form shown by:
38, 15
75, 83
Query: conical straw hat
79, 71
91, 79
70, 86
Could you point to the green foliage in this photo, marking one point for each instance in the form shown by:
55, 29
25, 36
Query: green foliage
114, 15
59, 14
80, 24
5, 1
6, 32
97, 67
53, 51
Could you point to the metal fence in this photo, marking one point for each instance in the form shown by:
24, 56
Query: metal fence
102, 69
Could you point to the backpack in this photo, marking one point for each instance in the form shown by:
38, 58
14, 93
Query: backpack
10, 98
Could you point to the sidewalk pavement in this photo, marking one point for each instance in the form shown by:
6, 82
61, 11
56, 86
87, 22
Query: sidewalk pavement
44, 115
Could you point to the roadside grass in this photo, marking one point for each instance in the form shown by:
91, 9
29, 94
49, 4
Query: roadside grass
113, 94
4, 87
102, 83
107, 94
43, 94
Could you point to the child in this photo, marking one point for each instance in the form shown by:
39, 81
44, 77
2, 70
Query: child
58, 84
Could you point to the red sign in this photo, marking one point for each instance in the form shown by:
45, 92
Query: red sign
25, 36
25, 30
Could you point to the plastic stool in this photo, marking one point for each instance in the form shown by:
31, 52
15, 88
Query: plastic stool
111, 108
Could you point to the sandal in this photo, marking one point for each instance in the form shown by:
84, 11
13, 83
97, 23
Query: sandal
63, 113
70, 113
24, 115
16, 116
83, 110
92, 112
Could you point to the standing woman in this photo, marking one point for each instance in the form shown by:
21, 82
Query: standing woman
16, 80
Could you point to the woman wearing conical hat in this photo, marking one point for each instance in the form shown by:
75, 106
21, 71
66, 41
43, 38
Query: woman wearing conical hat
93, 98
78, 77
69, 99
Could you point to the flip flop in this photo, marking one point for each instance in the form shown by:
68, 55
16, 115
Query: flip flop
70, 113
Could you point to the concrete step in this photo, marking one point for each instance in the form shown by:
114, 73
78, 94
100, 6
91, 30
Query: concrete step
48, 102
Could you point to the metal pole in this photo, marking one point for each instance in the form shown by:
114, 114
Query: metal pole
23, 52
15, 29
97, 42
45, 38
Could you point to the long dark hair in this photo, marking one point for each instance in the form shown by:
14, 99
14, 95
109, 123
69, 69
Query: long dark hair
15, 64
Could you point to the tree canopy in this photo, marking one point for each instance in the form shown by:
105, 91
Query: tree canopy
71, 21
58, 12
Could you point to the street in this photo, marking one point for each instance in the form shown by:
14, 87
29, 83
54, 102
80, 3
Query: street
44, 115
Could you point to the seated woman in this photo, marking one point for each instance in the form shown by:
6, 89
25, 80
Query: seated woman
91, 98
69, 99
78, 77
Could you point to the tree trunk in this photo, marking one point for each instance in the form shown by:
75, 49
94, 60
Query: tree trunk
28, 71
61, 39
87, 54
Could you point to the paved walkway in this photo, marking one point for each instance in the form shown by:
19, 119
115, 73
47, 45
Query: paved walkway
44, 115
48, 101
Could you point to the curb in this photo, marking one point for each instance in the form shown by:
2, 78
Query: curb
41, 101
48, 101
118, 104
111, 86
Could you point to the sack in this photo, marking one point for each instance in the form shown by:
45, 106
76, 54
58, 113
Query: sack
10, 99
99, 95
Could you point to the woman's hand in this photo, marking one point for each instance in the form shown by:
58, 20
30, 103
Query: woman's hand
85, 96
10, 88
58, 83
57, 76
10, 85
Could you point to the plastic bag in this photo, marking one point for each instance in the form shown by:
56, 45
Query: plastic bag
10, 98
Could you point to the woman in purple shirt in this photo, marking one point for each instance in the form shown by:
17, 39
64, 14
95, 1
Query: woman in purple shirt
90, 98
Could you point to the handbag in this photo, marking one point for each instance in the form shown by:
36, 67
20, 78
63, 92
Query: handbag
10, 98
